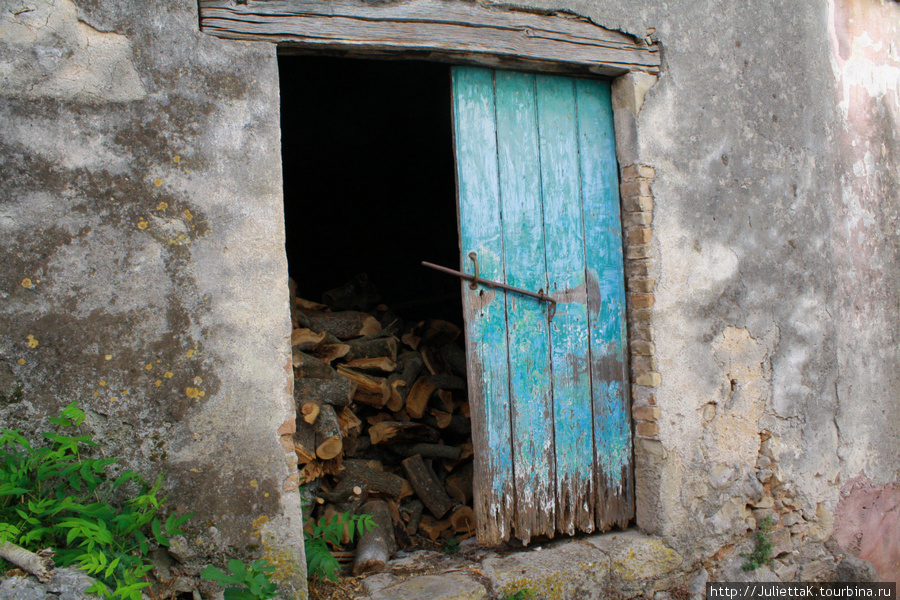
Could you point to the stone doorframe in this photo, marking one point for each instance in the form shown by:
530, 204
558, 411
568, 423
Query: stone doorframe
504, 37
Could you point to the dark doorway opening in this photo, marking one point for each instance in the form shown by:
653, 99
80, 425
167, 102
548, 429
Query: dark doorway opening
369, 180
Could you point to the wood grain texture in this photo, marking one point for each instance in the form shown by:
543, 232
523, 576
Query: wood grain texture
531, 400
484, 310
452, 31
563, 230
606, 306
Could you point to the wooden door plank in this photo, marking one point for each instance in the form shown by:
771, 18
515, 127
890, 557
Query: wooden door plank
563, 231
606, 305
485, 310
531, 401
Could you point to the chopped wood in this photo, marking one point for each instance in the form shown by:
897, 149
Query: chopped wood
439, 333
304, 439
379, 364
379, 482
433, 529
350, 424
344, 325
417, 399
465, 410
330, 352
415, 516
463, 520
426, 485
401, 536
434, 362
382, 347
331, 515
410, 365
309, 305
306, 339
411, 340
455, 358
377, 545
329, 441
311, 471
370, 390
468, 450
459, 484
309, 367
378, 418
447, 382
428, 451
459, 425
398, 432
336, 392
446, 400
398, 395
303, 455
441, 418
310, 411
333, 466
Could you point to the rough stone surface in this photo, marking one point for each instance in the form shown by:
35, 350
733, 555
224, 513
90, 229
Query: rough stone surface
574, 570
855, 570
451, 586
65, 584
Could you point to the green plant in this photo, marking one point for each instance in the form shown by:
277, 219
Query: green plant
451, 546
319, 560
245, 582
52, 496
522, 594
762, 550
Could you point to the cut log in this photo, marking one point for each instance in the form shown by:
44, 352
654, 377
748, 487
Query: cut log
409, 365
446, 400
350, 424
370, 390
309, 306
336, 392
310, 367
344, 325
40, 563
304, 439
310, 411
312, 471
329, 441
358, 494
455, 358
447, 382
417, 399
399, 433
411, 340
433, 529
426, 485
400, 535
428, 451
380, 365
377, 545
459, 425
442, 419
459, 484
379, 482
328, 352
331, 515
382, 347
415, 516
306, 339
438, 332
433, 360
463, 520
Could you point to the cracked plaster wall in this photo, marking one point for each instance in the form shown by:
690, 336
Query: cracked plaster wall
143, 266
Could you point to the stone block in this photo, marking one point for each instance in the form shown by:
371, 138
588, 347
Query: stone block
643, 364
638, 268
855, 570
451, 586
639, 251
644, 286
635, 187
643, 348
569, 570
639, 301
638, 218
637, 204
645, 413
642, 332
641, 316
648, 379
639, 235
647, 429
781, 541
634, 556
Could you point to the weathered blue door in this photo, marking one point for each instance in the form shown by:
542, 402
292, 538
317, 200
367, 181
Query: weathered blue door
539, 205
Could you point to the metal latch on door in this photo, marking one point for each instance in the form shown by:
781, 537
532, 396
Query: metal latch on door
475, 280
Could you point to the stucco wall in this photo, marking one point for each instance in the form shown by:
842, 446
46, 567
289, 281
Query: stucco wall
143, 267
773, 132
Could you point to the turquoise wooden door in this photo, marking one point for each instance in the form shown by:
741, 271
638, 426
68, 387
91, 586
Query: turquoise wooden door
539, 205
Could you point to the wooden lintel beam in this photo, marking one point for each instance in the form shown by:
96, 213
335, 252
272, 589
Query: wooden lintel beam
443, 30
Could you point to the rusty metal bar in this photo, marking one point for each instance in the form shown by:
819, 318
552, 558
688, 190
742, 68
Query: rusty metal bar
540, 295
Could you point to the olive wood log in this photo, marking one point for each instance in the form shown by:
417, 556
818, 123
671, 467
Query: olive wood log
377, 545
426, 485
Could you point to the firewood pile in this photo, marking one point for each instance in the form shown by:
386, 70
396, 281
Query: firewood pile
383, 422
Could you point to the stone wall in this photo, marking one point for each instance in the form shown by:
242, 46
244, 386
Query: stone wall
143, 268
